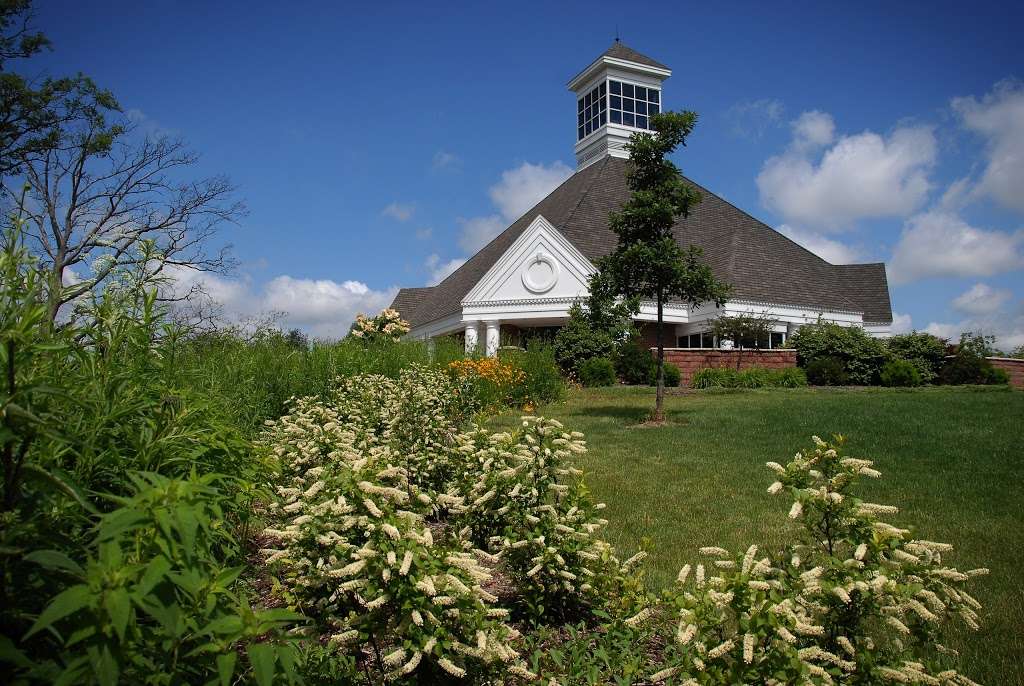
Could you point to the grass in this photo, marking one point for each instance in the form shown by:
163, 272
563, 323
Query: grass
950, 459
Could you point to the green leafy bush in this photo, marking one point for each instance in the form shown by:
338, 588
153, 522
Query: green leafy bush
580, 340
827, 371
790, 377
969, 366
543, 381
752, 377
597, 371
154, 603
900, 373
860, 355
923, 350
634, 362
714, 377
673, 376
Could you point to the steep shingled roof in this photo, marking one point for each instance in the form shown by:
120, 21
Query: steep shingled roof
620, 50
761, 264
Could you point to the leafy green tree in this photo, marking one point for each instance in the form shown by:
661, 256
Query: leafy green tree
34, 113
649, 263
742, 329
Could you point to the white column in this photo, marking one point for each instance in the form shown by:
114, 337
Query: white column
493, 337
472, 331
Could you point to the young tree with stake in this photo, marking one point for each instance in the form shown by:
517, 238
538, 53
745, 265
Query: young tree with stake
649, 264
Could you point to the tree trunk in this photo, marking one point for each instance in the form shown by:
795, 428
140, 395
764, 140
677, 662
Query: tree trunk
659, 412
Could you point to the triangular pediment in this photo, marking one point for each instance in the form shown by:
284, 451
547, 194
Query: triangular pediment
540, 264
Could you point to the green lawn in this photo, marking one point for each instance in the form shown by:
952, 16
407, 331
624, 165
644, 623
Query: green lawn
950, 459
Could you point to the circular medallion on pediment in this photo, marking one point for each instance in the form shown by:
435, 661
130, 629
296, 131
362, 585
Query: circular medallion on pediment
540, 273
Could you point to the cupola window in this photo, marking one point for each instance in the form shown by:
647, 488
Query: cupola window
632, 105
592, 111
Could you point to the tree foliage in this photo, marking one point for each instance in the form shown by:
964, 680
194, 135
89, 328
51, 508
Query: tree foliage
649, 264
34, 113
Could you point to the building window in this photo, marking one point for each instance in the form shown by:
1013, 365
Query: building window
697, 340
632, 105
592, 111
778, 339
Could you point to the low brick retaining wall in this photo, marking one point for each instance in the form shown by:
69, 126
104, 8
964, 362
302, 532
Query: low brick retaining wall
690, 360
1013, 367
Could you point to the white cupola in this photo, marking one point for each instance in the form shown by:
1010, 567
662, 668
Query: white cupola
615, 97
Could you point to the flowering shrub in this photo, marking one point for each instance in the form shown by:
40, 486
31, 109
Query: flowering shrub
529, 506
497, 382
393, 518
357, 554
855, 601
386, 326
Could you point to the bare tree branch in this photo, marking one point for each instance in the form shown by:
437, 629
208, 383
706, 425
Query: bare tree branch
97, 199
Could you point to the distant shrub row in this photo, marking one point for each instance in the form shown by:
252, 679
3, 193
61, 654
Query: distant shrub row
752, 377
834, 355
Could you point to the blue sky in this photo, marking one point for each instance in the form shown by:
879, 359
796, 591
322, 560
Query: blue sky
376, 145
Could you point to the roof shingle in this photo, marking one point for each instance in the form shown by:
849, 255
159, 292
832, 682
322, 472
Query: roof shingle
761, 264
620, 50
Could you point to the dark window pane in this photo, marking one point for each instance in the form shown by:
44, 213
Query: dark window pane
641, 121
641, 107
579, 133
616, 117
652, 108
602, 118
627, 90
616, 88
579, 105
604, 87
641, 93
778, 338
616, 102
589, 128
627, 105
603, 102
579, 119
653, 95
627, 118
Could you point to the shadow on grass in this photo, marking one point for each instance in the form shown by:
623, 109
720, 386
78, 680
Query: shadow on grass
630, 416
624, 412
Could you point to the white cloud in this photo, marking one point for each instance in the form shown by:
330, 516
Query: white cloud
752, 118
439, 270
322, 307
445, 160
999, 118
940, 243
148, 126
398, 211
424, 233
526, 185
859, 176
987, 311
901, 323
519, 189
479, 231
943, 330
1007, 328
826, 248
981, 299
814, 129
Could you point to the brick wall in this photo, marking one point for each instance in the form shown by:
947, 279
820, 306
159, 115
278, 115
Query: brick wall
1013, 367
690, 361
